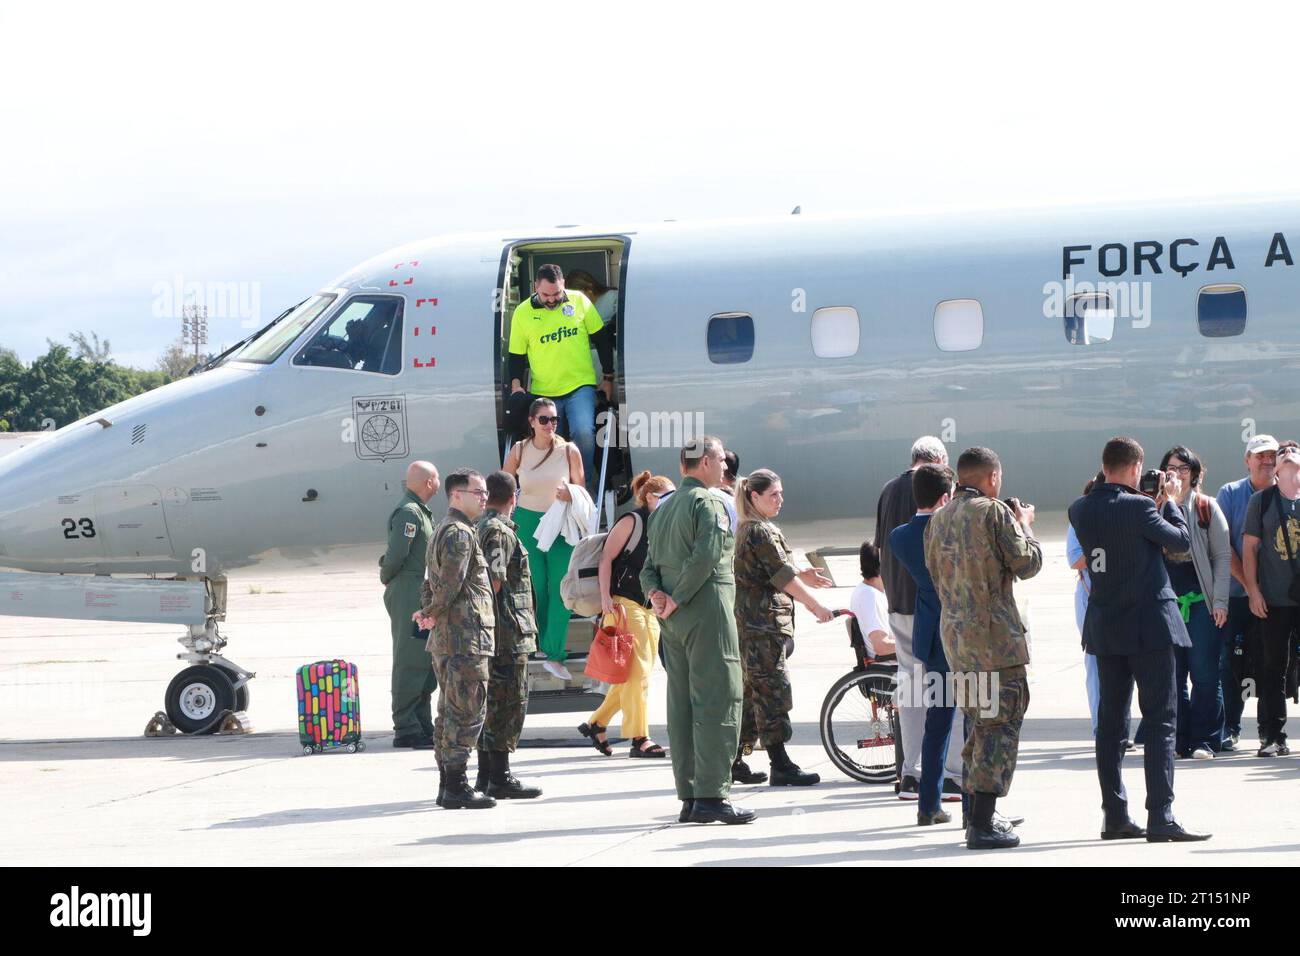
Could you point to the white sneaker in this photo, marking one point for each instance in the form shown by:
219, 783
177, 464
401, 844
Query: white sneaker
557, 670
1202, 753
1268, 750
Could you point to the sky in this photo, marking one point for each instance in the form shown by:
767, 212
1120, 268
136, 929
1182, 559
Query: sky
270, 147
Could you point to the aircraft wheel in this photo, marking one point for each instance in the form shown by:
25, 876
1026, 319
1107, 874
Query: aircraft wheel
196, 696
241, 694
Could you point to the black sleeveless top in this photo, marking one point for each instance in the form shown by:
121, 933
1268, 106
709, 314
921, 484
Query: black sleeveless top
625, 575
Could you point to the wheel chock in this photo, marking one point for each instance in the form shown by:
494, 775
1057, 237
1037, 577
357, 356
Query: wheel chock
234, 722
160, 726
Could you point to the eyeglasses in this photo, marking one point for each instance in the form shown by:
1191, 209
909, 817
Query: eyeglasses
548, 419
1181, 469
477, 492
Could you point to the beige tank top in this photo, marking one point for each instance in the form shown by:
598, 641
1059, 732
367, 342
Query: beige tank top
538, 480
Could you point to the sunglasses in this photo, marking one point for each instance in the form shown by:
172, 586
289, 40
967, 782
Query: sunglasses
548, 419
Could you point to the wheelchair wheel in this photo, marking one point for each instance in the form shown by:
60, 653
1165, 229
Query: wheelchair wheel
859, 725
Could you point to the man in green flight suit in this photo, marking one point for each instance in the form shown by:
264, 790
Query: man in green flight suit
401, 569
516, 638
458, 610
689, 580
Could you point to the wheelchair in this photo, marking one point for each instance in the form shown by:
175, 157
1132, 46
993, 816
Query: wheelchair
859, 722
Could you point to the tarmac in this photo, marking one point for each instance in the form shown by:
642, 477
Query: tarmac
82, 786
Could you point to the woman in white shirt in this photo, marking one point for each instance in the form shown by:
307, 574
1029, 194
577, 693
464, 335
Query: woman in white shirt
543, 463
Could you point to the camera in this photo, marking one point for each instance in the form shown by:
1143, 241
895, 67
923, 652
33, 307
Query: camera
1151, 482
1014, 503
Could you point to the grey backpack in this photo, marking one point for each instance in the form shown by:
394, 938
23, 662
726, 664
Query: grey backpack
580, 587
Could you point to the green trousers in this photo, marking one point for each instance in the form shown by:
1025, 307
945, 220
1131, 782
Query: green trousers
702, 658
507, 702
462, 707
413, 679
547, 569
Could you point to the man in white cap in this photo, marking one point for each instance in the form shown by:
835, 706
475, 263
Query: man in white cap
1261, 458
1270, 552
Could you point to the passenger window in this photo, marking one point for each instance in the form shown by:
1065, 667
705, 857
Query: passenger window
731, 338
365, 336
1221, 310
958, 325
835, 332
1089, 318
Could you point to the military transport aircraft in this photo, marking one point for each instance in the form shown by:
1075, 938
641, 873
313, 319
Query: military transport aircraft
820, 347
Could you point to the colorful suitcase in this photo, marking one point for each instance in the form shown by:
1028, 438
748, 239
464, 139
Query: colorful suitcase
329, 707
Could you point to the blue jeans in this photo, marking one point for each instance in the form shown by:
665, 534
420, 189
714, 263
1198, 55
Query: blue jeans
1200, 714
578, 423
1240, 620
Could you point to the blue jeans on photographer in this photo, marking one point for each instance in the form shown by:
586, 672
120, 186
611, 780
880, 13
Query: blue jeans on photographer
577, 412
1200, 713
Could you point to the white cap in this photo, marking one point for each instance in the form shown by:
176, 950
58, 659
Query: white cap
1261, 443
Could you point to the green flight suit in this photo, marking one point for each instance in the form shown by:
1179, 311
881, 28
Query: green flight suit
690, 555
401, 570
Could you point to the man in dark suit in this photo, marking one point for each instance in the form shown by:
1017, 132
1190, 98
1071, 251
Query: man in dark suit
1132, 626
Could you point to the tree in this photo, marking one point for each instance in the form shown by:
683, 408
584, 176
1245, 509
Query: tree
176, 361
92, 350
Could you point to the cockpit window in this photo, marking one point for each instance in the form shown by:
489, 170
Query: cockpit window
365, 336
266, 348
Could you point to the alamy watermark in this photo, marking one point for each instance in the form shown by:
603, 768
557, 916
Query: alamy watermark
656, 429
222, 300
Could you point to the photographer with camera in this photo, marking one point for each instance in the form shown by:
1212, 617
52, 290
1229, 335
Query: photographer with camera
1269, 549
1132, 626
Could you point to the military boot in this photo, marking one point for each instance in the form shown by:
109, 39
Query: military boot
504, 785
740, 772
785, 772
442, 787
484, 771
460, 796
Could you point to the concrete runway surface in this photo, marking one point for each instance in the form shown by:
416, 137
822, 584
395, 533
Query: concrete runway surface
82, 787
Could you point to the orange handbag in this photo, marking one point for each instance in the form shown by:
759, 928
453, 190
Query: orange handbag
610, 657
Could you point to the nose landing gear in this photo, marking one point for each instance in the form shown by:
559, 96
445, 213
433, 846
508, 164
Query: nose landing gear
202, 697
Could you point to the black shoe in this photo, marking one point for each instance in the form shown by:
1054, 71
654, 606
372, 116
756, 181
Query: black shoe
924, 819
741, 773
460, 796
718, 811
787, 773
951, 790
1127, 745
909, 789
1126, 831
1174, 833
504, 785
685, 815
413, 741
992, 838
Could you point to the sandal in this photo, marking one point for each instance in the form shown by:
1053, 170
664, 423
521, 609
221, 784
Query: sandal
639, 750
592, 732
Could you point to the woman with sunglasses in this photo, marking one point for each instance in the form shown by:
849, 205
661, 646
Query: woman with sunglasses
544, 463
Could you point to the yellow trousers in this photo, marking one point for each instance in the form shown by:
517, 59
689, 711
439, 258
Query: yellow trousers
631, 697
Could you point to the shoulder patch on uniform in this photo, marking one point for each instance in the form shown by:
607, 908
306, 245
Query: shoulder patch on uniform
410, 530
724, 521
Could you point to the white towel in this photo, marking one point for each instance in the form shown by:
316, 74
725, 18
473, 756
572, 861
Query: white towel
569, 518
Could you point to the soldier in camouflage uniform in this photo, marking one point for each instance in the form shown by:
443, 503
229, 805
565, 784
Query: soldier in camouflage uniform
975, 547
458, 609
401, 569
516, 638
767, 585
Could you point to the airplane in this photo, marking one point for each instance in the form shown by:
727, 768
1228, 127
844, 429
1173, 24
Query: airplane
818, 346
